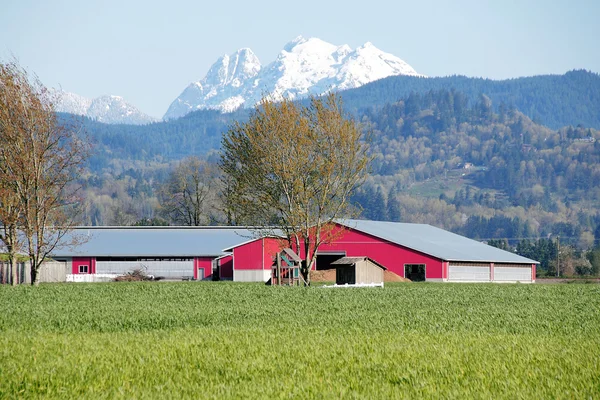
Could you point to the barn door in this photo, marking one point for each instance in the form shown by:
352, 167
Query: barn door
512, 274
468, 273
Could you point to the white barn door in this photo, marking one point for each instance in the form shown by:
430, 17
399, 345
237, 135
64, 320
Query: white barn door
468, 273
507, 273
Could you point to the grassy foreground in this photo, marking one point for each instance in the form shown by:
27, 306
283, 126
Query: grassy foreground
230, 340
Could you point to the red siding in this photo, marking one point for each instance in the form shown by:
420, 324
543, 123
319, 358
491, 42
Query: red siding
257, 254
204, 263
226, 267
354, 243
390, 255
89, 261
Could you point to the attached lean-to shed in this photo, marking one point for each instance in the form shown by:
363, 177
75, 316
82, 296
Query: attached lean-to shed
358, 270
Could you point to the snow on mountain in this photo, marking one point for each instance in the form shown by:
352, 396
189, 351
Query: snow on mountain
222, 87
303, 67
107, 109
70, 102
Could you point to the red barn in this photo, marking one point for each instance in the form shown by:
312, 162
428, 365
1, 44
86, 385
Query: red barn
416, 251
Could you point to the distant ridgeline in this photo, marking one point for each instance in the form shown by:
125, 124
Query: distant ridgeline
194, 134
551, 100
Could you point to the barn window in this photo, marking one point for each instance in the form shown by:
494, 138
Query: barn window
83, 269
414, 272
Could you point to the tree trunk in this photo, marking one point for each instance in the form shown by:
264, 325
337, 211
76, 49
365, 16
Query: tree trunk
305, 270
13, 269
34, 273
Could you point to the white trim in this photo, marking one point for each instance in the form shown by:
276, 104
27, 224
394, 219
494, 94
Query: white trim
230, 248
91, 277
223, 256
355, 285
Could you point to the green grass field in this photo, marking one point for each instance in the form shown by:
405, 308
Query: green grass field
230, 340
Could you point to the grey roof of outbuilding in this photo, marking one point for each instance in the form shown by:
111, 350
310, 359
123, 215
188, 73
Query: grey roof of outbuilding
354, 260
152, 241
436, 242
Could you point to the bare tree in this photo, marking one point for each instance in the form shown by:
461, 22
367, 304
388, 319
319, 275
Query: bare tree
188, 195
40, 159
10, 213
294, 167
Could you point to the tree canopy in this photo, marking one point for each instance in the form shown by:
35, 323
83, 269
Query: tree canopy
293, 167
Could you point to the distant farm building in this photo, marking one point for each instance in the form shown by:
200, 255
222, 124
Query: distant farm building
167, 252
414, 251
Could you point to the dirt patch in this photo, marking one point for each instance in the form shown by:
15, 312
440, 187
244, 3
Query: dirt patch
325, 275
389, 276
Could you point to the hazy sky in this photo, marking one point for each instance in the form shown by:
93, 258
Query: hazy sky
149, 51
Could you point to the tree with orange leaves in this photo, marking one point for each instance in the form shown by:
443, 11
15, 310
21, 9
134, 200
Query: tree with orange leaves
293, 168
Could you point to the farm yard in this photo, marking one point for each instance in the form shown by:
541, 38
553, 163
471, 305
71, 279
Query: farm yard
247, 340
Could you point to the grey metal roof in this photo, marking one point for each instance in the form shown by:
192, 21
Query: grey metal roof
434, 241
153, 241
354, 260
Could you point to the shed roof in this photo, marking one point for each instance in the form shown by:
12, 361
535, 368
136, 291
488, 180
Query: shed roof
152, 241
354, 260
292, 255
436, 242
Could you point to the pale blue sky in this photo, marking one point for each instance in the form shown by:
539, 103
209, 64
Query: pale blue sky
149, 51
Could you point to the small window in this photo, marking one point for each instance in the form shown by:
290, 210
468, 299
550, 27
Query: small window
414, 272
83, 269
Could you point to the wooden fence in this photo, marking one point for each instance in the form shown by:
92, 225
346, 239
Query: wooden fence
50, 271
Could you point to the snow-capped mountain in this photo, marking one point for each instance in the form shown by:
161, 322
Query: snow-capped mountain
107, 109
303, 67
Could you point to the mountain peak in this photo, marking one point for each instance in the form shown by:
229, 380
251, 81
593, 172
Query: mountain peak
109, 109
291, 44
305, 66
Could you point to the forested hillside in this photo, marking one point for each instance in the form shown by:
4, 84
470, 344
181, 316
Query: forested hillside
551, 100
496, 161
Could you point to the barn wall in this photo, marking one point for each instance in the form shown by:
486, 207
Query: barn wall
272, 247
258, 254
165, 269
248, 256
252, 261
89, 261
390, 255
226, 267
205, 264
53, 271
